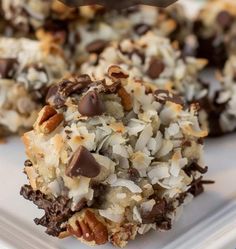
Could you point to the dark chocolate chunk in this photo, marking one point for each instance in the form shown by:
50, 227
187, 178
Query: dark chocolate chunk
142, 28
7, 67
96, 46
91, 104
156, 67
163, 96
224, 19
197, 186
194, 167
213, 49
83, 163
57, 210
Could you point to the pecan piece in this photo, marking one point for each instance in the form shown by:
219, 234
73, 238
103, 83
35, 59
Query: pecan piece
86, 231
97, 227
89, 228
48, 120
76, 232
126, 99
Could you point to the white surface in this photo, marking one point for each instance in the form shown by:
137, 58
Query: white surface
209, 222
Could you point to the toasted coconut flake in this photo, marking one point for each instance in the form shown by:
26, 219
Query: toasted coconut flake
134, 188
147, 206
158, 172
114, 214
136, 215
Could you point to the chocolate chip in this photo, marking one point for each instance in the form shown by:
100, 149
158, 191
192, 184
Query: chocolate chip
7, 67
28, 163
91, 105
224, 19
156, 67
162, 96
83, 163
213, 49
96, 46
142, 28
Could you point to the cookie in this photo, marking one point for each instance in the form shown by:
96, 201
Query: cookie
215, 29
88, 29
152, 59
109, 159
29, 15
27, 69
96, 28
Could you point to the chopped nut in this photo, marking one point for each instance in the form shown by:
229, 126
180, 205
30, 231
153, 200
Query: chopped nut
126, 99
98, 228
90, 228
116, 73
86, 231
48, 120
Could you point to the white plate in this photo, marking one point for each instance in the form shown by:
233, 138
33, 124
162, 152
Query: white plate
208, 222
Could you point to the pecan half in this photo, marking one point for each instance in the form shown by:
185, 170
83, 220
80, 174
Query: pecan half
90, 229
48, 120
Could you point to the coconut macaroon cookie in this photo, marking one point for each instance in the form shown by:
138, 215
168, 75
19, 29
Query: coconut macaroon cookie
27, 68
108, 159
28, 15
97, 27
215, 28
153, 59
222, 109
